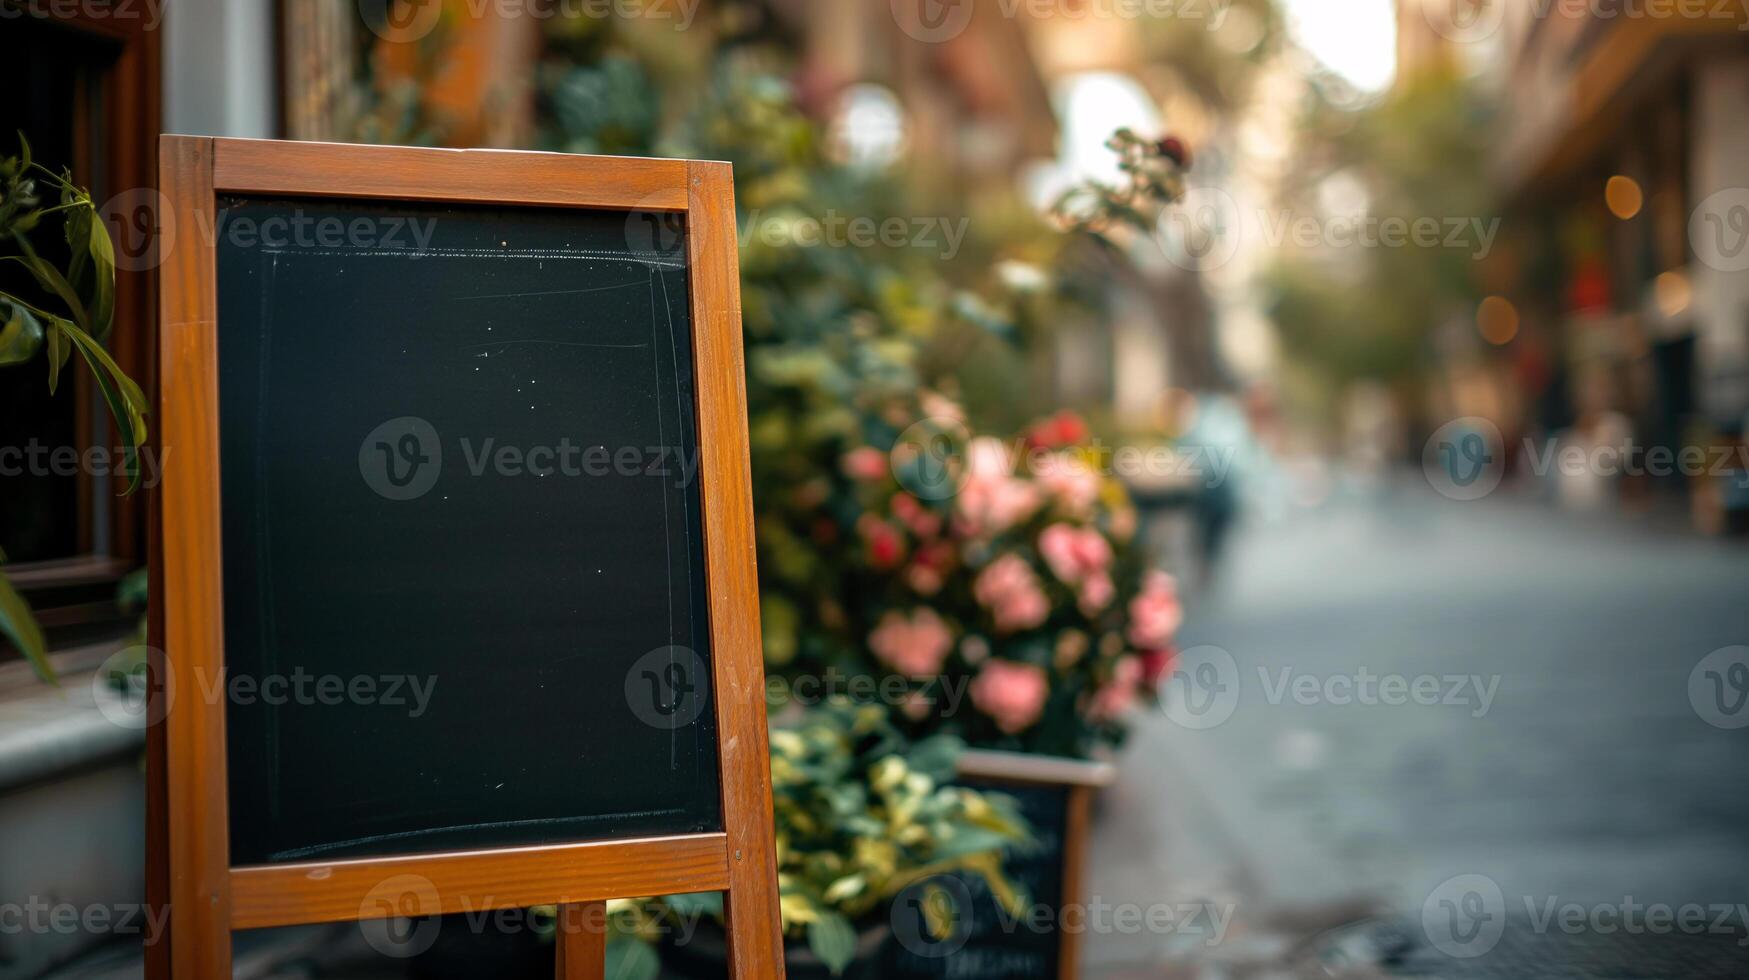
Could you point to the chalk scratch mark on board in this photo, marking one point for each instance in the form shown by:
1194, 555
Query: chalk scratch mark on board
299, 853
554, 292
556, 343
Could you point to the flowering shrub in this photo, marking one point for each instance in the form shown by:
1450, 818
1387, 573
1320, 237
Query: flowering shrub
1000, 582
995, 582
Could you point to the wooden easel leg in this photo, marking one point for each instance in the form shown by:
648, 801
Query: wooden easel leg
582, 941
1075, 831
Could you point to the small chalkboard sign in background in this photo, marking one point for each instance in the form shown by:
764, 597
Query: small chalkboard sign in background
454, 567
988, 942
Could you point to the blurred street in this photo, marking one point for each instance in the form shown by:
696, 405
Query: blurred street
1584, 776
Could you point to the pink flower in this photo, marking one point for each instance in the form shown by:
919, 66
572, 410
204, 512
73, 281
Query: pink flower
917, 705
865, 463
1118, 695
993, 499
1009, 589
1072, 483
922, 521
1096, 594
1012, 694
927, 572
1155, 613
1075, 554
914, 646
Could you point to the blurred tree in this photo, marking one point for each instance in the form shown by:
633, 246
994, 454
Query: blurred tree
1368, 311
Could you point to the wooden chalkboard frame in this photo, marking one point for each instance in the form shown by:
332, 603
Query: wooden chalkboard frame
190, 875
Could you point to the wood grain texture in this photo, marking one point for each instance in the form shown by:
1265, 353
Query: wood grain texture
478, 176
462, 881
754, 927
1076, 825
582, 941
189, 558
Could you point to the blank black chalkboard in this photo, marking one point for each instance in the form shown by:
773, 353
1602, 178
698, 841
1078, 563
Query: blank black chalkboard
463, 577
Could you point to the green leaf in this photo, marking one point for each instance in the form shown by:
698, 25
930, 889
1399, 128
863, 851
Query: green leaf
48, 277
19, 627
833, 940
127, 403
93, 254
630, 958
21, 336
130, 593
60, 348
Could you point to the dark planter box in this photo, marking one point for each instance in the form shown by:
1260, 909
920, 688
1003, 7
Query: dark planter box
1055, 795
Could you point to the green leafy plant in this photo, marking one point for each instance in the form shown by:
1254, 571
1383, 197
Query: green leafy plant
74, 313
862, 814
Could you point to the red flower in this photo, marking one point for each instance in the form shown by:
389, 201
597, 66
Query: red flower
884, 545
1172, 148
1156, 664
1062, 429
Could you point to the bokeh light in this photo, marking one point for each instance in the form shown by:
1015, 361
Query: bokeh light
1497, 320
1624, 197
